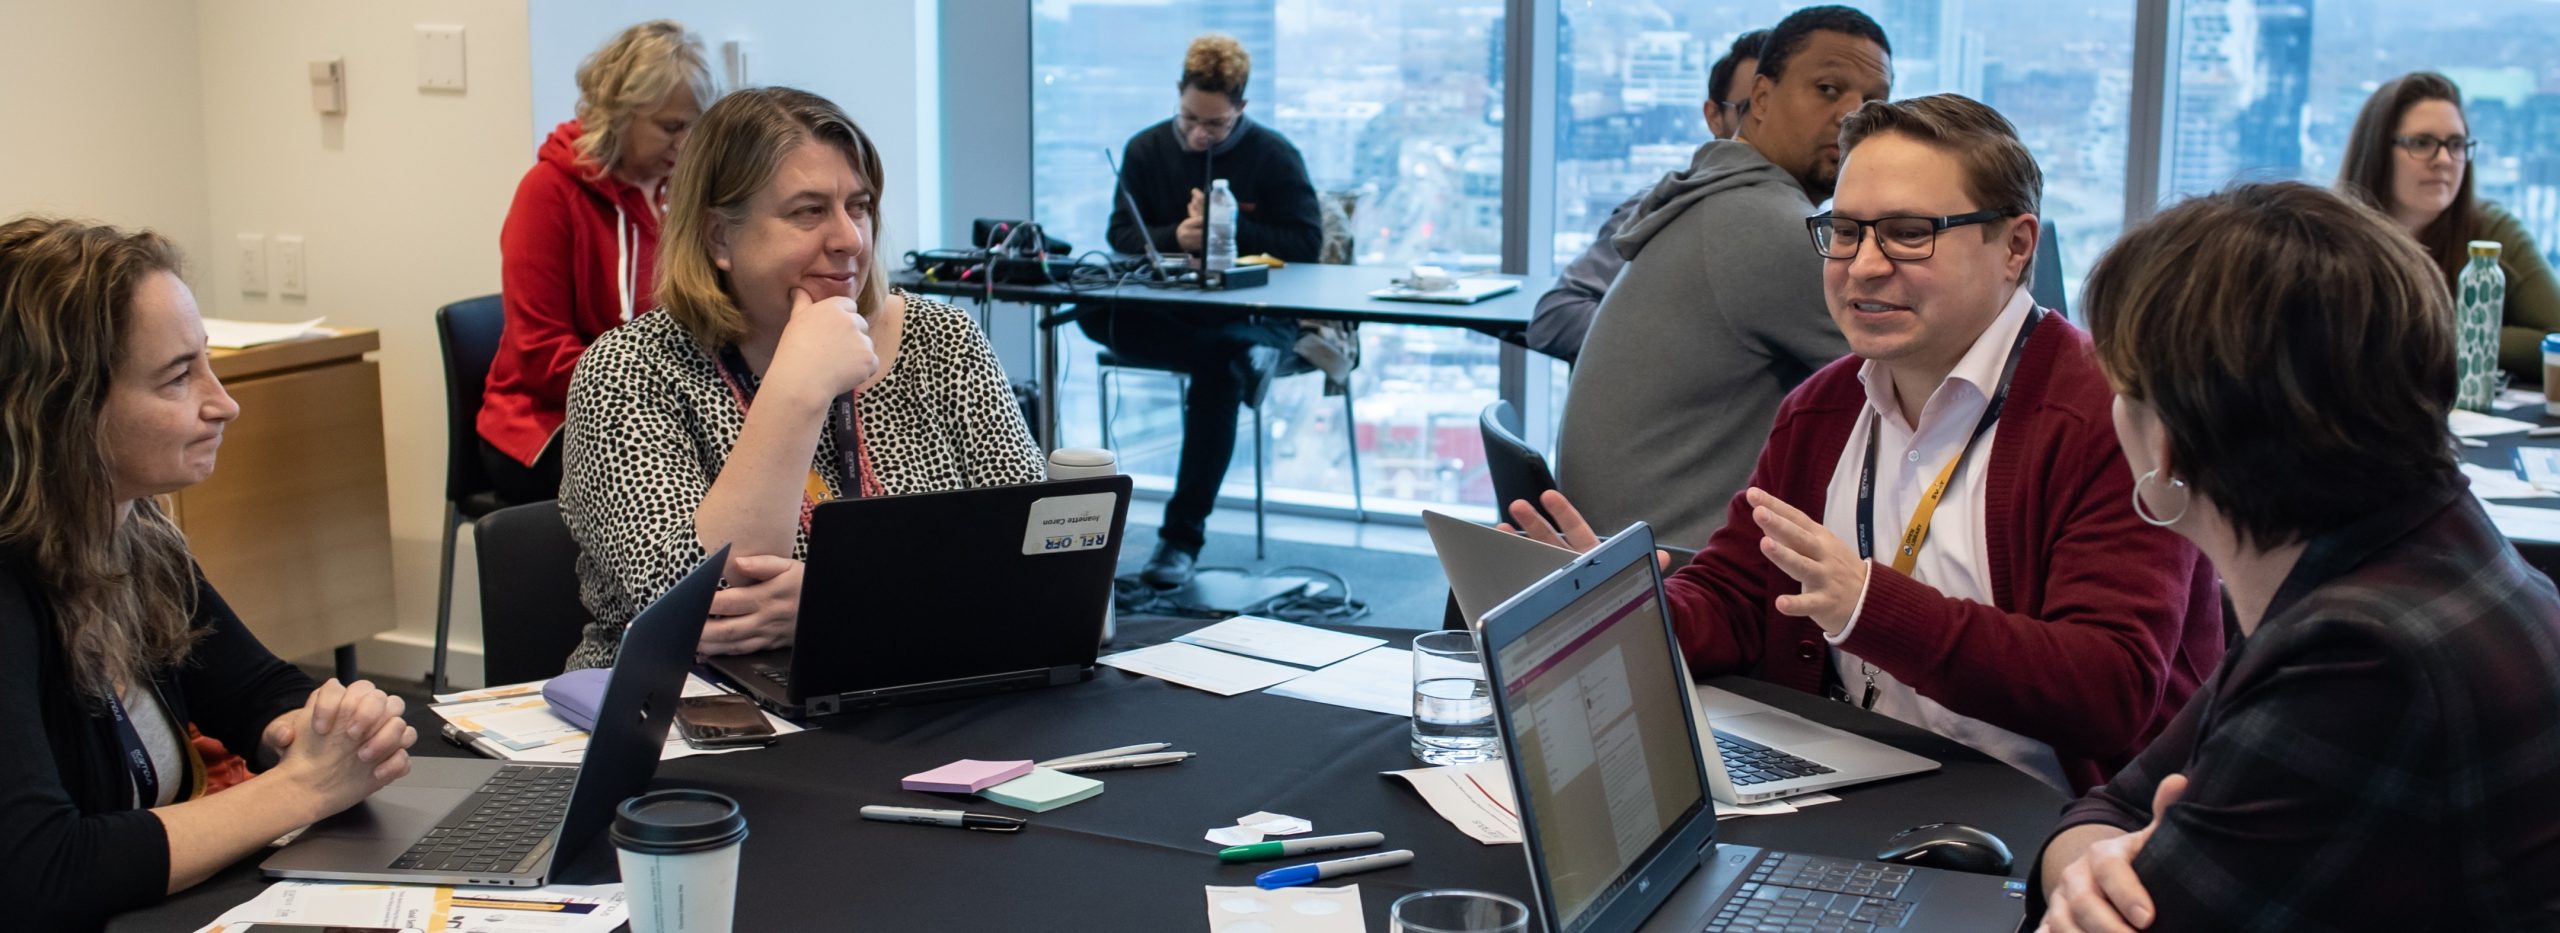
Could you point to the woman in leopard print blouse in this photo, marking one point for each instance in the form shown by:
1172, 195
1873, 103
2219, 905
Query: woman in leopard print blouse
779, 370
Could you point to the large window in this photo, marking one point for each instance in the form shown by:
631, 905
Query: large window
1629, 95
2269, 89
1396, 106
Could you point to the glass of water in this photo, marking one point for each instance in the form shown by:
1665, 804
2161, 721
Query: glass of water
1452, 705
1456, 912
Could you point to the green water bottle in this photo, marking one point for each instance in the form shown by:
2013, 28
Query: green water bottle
2481, 301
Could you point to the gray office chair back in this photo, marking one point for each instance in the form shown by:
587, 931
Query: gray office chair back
530, 615
468, 330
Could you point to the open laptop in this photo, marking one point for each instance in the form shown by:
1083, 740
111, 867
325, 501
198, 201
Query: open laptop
1765, 753
505, 823
1589, 695
908, 599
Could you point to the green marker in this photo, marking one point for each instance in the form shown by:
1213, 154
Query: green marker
1285, 848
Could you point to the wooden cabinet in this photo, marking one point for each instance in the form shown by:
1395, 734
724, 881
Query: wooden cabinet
294, 528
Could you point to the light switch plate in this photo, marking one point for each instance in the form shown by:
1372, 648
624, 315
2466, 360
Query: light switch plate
253, 264
292, 277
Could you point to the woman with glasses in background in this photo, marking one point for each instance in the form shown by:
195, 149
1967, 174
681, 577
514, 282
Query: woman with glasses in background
2410, 156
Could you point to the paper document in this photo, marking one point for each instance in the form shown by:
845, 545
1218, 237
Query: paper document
515, 723
1285, 642
2525, 522
2503, 484
2539, 466
2518, 398
1302, 909
559, 908
240, 335
1379, 680
1475, 798
1200, 668
2475, 424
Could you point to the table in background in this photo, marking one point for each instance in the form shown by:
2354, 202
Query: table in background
2499, 454
294, 527
1303, 290
1133, 857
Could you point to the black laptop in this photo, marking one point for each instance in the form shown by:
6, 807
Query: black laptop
947, 594
504, 823
1593, 705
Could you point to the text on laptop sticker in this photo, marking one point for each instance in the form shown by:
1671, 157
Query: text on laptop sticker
1066, 524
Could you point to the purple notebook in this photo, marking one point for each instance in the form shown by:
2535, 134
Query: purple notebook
966, 776
575, 696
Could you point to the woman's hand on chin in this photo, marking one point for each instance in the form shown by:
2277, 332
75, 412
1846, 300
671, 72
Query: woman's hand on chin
825, 350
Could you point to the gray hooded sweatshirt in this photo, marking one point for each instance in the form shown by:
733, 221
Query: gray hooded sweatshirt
1718, 314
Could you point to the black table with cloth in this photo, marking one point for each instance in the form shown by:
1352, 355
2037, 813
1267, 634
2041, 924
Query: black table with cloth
1133, 857
2499, 454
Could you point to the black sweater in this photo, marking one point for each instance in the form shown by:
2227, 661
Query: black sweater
1275, 204
76, 851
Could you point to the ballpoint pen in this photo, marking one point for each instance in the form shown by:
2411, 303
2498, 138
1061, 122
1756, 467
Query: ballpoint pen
1106, 753
1122, 762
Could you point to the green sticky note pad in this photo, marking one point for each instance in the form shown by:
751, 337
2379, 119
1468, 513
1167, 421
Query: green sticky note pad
1043, 790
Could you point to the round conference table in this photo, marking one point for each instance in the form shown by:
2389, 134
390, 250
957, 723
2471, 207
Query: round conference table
1133, 858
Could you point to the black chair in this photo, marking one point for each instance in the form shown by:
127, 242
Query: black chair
1290, 364
468, 330
530, 616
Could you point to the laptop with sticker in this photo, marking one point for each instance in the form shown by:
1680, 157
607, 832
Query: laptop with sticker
924, 597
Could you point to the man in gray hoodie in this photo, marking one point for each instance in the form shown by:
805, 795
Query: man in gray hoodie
1719, 311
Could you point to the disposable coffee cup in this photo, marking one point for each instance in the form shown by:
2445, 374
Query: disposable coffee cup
679, 855
1085, 463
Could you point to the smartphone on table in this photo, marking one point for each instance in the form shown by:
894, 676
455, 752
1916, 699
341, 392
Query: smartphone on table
722, 720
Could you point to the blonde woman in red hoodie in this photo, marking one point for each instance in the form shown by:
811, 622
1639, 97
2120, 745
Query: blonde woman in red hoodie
581, 240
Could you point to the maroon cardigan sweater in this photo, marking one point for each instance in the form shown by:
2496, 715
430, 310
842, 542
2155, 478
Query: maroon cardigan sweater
2103, 626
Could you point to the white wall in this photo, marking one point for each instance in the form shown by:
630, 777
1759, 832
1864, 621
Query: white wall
874, 58
100, 104
399, 201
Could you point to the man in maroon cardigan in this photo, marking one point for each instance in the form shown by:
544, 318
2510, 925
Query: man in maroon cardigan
2013, 601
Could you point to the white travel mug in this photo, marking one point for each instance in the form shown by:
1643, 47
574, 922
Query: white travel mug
679, 855
1085, 463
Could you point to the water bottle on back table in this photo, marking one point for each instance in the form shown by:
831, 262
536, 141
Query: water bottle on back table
1221, 233
2481, 302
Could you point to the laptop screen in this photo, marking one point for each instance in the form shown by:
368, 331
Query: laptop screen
1606, 758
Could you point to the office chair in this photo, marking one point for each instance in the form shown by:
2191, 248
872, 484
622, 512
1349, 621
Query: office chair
2047, 290
1108, 364
530, 614
468, 330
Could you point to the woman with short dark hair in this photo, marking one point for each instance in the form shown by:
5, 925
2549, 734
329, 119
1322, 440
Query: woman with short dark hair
111, 640
2410, 157
2378, 753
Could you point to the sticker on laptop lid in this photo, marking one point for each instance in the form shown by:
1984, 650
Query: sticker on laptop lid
1066, 524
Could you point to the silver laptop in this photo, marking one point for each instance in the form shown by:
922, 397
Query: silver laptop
1620, 835
504, 823
1766, 753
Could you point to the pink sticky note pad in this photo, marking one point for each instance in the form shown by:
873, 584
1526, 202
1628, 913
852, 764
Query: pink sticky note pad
966, 776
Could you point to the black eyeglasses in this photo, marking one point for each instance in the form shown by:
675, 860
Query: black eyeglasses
2424, 146
1905, 239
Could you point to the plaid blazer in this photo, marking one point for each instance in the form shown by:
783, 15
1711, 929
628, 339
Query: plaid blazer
2384, 752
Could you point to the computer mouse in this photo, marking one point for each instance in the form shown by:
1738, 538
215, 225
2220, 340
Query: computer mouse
1951, 846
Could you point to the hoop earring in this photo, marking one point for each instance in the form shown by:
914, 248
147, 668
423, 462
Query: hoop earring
2144, 512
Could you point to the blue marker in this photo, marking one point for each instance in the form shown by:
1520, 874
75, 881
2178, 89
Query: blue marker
1313, 872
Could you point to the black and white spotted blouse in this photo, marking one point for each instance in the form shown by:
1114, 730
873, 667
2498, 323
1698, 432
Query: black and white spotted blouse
650, 422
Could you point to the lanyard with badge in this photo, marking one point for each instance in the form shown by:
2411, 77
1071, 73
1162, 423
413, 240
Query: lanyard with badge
137, 759
1916, 533
853, 456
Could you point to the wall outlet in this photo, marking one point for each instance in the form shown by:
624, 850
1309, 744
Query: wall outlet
253, 264
291, 275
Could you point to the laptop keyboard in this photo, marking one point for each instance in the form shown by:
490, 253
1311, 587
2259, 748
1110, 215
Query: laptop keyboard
1748, 762
499, 825
1791, 892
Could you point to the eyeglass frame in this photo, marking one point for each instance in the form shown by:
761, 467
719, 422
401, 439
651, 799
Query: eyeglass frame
1184, 122
1814, 225
2437, 144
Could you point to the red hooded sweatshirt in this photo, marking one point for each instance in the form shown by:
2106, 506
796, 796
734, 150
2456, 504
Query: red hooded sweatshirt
579, 255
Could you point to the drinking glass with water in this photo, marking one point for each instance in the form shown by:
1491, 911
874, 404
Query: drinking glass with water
1452, 704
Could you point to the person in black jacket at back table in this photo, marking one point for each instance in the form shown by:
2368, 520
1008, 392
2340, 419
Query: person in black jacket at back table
1167, 169
111, 641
